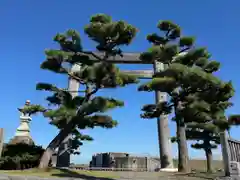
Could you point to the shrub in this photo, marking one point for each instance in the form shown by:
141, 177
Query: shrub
20, 156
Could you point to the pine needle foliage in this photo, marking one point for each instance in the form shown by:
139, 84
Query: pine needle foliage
71, 114
196, 94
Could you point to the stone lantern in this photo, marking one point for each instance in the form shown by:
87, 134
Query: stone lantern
22, 134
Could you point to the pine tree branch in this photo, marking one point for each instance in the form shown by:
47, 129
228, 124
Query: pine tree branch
80, 91
91, 53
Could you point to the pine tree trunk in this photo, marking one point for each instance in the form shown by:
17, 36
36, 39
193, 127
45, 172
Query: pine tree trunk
183, 164
183, 158
209, 158
47, 155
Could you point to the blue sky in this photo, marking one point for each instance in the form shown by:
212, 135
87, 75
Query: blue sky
27, 28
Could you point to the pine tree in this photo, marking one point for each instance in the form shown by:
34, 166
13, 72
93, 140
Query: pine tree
72, 114
187, 79
207, 135
210, 140
205, 117
206, 139
209, 120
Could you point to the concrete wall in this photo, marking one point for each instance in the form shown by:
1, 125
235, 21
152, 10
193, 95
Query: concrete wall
106, 160
124, 160
153, 164
98, 160
93, 161
131, 162
118, 154
121, 162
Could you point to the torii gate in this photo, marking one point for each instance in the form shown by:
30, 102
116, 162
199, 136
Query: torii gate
162, 121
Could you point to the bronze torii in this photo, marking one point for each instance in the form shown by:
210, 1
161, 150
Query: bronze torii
162, 121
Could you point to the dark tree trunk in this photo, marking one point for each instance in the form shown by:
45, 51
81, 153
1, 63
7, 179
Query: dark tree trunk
183, 164
209, 158
47, 155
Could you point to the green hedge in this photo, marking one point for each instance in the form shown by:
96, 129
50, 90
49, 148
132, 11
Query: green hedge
20, 156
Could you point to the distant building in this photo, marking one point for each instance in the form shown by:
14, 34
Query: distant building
124, 161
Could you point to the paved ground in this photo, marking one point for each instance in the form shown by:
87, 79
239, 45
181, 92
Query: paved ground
127, 176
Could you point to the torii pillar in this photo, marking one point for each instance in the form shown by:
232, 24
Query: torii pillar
63, 154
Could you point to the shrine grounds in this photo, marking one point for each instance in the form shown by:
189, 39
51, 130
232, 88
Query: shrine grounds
197, 166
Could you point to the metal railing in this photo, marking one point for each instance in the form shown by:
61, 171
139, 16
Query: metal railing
234, 147
231, 154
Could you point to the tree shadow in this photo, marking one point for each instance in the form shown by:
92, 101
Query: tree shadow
68, 173
201, 175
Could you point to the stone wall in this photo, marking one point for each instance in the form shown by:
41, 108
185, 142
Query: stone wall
133, 163
124, 160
